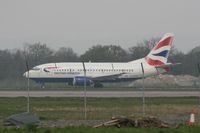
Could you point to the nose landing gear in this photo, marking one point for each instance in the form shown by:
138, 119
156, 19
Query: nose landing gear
42, 85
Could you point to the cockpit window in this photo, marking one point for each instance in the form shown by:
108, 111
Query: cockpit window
36, 68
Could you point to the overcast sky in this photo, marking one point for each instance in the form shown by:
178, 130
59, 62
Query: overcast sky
82, 23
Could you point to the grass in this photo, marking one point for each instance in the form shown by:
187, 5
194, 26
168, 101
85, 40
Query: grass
98, 108
183, 129
50, 108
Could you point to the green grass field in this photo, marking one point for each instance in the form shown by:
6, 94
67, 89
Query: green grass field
97, 108
183, 129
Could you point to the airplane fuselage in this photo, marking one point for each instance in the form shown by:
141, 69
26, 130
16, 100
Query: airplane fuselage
90, 73
97, 72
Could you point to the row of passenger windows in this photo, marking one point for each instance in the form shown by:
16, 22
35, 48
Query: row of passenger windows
93, 70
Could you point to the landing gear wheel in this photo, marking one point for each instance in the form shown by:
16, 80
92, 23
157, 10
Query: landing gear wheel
42, 85
98, 85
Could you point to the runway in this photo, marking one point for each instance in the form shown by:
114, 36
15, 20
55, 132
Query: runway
100, 93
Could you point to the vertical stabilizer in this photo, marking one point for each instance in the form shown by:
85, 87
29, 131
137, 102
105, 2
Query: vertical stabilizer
159, 54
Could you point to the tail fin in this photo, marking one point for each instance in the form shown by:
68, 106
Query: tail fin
159, 54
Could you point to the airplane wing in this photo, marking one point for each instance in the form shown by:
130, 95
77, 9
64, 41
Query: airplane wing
107, 77
167, 65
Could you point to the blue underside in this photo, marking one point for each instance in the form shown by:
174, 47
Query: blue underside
65, 80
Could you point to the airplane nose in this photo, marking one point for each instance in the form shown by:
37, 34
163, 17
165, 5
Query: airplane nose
25, 74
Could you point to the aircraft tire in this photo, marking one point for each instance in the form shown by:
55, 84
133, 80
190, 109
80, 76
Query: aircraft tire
98, 85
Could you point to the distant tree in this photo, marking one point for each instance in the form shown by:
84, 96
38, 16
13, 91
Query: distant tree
177, 56
142, 48
101, 53
191, 60
5, 63
38, 53
18, 61
65, 55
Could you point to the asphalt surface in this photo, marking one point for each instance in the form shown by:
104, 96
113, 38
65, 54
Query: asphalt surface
100, 93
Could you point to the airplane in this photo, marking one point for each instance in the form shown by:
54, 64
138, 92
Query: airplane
97, 73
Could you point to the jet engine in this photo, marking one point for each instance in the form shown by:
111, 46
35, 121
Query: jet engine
79, 81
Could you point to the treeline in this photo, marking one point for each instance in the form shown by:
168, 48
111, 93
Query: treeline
13, 64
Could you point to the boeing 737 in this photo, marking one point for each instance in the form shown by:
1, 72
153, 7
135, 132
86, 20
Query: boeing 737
96, 73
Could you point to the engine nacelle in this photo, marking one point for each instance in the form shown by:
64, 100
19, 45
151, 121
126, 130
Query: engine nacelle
79, 81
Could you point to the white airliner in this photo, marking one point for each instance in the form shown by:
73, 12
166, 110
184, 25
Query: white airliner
96, 73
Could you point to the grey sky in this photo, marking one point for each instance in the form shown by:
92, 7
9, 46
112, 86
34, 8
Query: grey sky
82, 23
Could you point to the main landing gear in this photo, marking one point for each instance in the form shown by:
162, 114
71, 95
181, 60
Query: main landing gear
98, 85
42, 85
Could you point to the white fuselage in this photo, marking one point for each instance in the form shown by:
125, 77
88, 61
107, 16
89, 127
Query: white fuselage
53, 72
93, 73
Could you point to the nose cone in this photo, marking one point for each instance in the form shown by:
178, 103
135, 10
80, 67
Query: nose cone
25, 74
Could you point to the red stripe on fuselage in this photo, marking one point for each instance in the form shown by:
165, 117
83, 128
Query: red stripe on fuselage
165, 42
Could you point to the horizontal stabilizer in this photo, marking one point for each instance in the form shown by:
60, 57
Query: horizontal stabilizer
167, 65
113, 76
